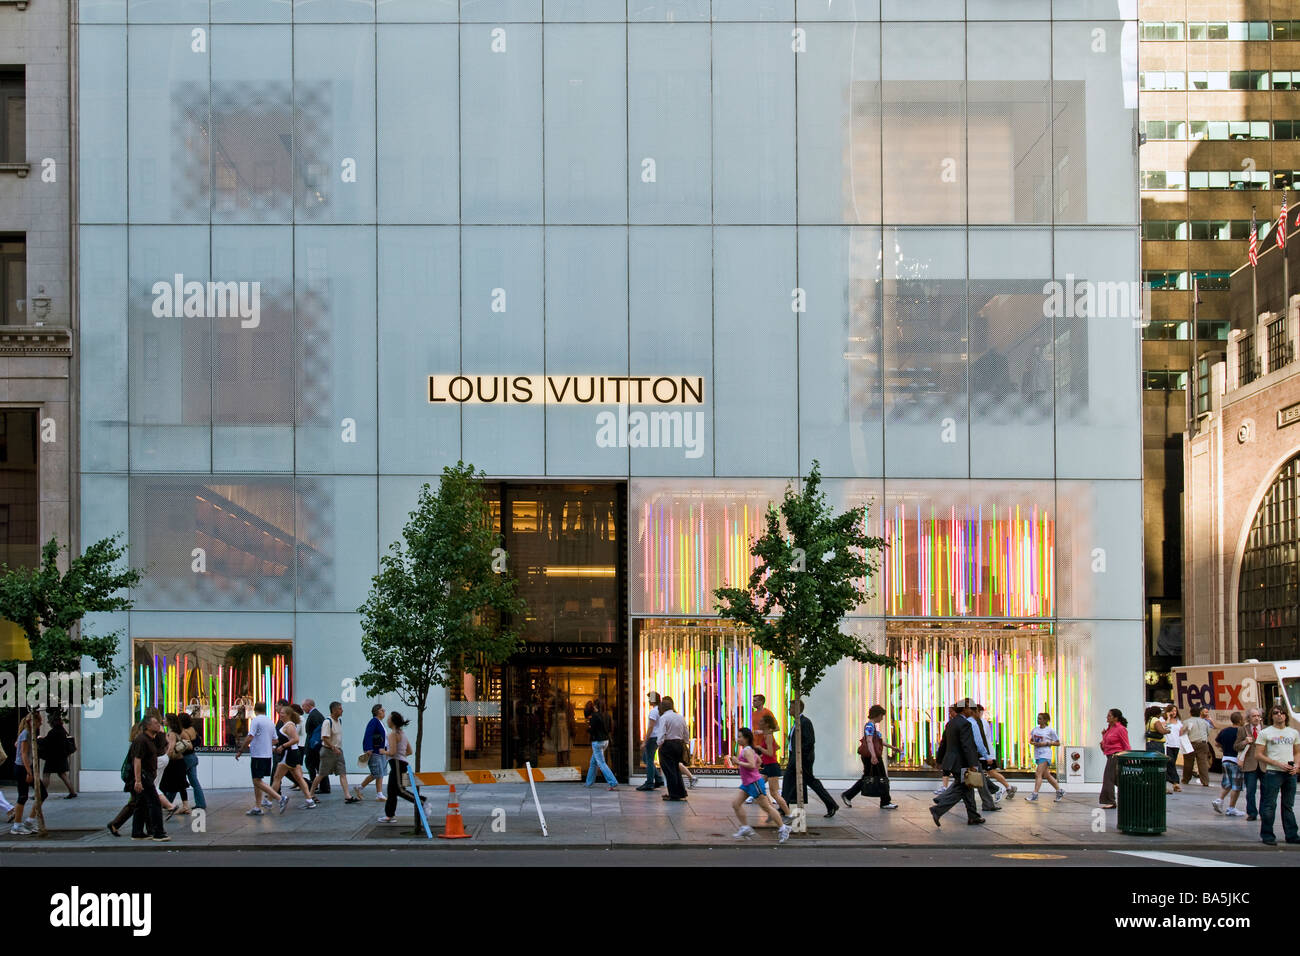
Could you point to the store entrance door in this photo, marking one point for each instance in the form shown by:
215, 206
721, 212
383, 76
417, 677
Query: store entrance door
545, 713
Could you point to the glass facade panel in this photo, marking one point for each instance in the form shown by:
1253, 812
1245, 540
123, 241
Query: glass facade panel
839, 125
252, 11
840, 351
668, 106
333, 11
924, 122
418, 134
103, 289
1099, 574
101, 76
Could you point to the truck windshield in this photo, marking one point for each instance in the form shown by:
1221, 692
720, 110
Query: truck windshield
1292, 685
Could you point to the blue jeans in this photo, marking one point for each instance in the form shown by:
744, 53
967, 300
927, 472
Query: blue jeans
1274, 782
1253, 780
653, 778
192, 774
598, 760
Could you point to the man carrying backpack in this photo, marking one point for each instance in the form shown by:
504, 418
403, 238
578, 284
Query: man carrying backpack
331, 752
315, 719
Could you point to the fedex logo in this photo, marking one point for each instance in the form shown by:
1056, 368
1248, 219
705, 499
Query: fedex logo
1216, 695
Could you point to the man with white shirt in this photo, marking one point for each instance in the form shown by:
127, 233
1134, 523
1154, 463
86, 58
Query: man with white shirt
672, 748
653, 778
260, 743
332, 759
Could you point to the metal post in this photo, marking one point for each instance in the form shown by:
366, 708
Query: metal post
537, 803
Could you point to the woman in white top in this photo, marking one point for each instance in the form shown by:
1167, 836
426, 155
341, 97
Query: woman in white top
1173, 745
399, 748
29, 728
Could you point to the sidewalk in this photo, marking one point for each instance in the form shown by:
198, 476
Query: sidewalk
629, 818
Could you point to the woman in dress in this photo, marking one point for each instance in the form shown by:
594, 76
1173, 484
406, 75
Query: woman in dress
174, 778
53, 749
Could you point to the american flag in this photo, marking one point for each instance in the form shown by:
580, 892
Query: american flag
1253, 249
1281, 224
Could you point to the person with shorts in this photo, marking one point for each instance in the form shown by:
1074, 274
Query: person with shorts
1234, 780
331, 752
751, 785
1043, 738
292, 752
767, 746
373, 754
260, 743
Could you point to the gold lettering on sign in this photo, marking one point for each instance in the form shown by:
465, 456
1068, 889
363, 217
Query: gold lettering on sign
566, 389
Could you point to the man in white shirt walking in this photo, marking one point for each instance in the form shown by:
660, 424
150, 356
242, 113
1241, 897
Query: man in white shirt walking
260, 743
331, 752
653, 778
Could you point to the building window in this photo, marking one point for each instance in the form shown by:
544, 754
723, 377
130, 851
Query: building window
217, 682
13, 280
1279, 349
1268, 591
1247, 363
13, 116
1164, 229
1202, 385
1166, 330
1164, 380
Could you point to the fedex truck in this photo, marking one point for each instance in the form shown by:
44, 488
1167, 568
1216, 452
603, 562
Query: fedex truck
1225, 688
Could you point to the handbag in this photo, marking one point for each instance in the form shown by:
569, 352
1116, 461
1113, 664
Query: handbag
864, 747
72, 745
973, 779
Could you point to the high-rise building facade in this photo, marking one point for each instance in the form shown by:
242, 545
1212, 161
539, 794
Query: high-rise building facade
642, 264
1221, 127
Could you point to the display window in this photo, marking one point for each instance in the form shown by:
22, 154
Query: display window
216, 681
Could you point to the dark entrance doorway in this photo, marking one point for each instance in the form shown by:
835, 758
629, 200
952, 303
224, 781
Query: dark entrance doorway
565, 546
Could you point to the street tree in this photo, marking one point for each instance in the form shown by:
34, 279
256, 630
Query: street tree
438, 602
810, 575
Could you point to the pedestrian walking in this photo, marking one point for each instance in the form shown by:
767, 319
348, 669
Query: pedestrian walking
128, 811
1173, 746
653, 777
54, 749
1044, 738
598, 729
260, 742
871, 750
994, 766
751, 787
29, 729
332, 760
174, 778
768, 754
190, 732
808, 753
1252, 771
1114, 739
1197, 730
398, 749
1233, 779
944, 781
960, 758
672, 748
312, 759
373, 753
987, 803
293, 752
147, 820
1278, 749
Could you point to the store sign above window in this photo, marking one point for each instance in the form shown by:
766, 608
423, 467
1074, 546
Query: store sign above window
567, 389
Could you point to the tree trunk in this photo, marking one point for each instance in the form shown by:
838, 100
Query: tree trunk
419, 730
798, 754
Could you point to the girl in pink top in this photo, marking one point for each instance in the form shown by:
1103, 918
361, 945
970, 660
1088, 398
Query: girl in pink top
751, 785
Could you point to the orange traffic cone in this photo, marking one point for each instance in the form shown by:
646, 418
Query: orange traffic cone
455, 827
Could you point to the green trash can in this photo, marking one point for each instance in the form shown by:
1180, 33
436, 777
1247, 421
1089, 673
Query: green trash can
1141, 778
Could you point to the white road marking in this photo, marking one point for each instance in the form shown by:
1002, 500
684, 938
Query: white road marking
1176, 858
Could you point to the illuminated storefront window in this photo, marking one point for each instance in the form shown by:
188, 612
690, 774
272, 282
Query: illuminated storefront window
219, 681
1010, 669
955, 558
711, 670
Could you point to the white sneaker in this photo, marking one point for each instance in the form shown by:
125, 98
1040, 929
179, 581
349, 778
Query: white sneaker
749, 799
940, 790
267, 803
1233, 812
380, 797
745, 831
1032, 798
1218, 806
782, 834
383, 819
19, 830
309, 805
1060, 795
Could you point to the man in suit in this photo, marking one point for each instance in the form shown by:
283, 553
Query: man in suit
807, 746
959, 755
312, 758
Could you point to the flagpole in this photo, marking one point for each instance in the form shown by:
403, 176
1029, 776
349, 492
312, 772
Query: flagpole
1286, 276
1254, 268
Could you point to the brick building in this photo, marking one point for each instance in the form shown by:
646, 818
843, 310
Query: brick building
1242, 459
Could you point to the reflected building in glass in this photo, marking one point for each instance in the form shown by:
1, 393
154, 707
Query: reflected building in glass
642, 263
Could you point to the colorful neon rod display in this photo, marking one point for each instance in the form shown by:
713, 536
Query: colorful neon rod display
1012, 673
712, 671
691, 548
222, 694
